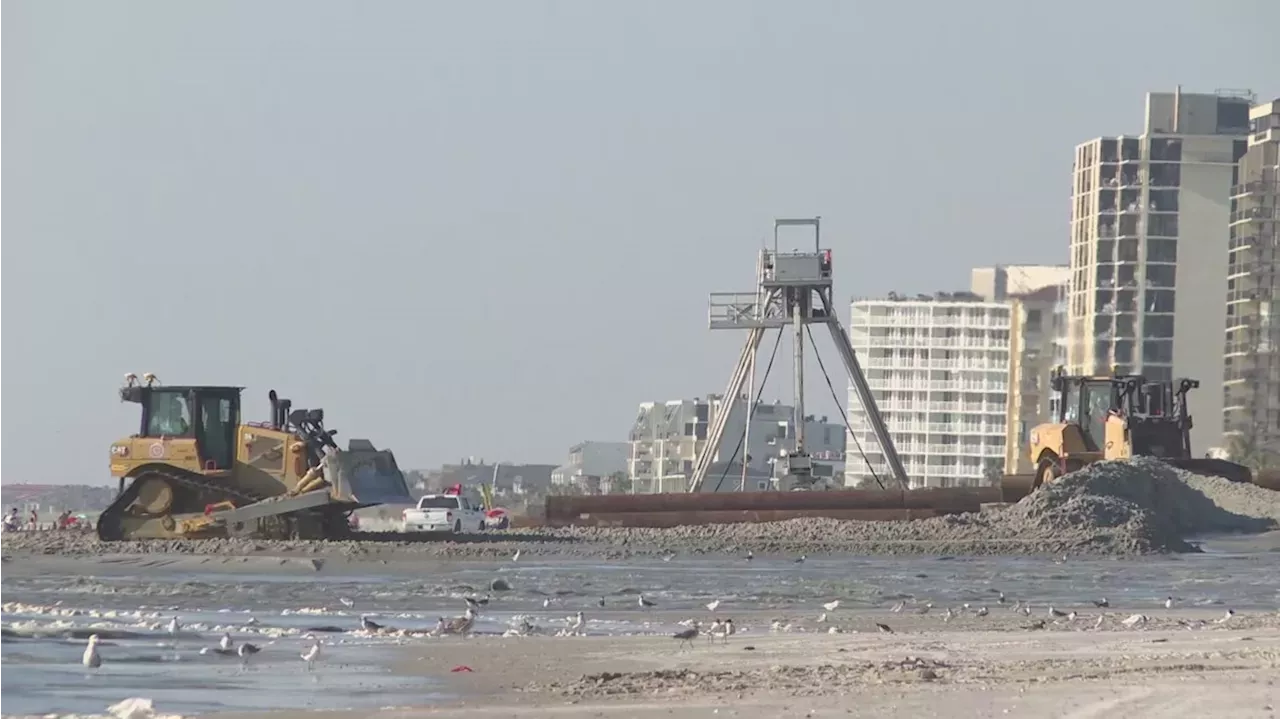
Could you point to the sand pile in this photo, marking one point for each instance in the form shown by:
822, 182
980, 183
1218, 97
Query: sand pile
1141, 506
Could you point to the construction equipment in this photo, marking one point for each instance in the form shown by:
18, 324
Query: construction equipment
1116, 417
196, 470
794, 290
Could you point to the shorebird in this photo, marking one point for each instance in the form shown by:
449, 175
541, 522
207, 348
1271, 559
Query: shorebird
1135, 620
600, 603
442, 626
1056, 613
884, 628
462, 625
800, 559
369, 625
173, 626
645, 603
312, 654
225, 643
897, 608
346, 602
982, 612
1225, 617
576, 627
729, 629
91, 658
1000, 599
1168, 603
516, 557
716, 628
245, 651
947, 617
925, 609
1101, 603
546, 602
750, 555
1037, 624
712, 605
831, 606
668, 556
687, 635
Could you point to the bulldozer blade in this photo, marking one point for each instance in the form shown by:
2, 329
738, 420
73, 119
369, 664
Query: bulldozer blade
366, 476
1215, 468
1014, 487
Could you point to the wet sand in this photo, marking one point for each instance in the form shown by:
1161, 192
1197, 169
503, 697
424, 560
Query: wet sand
1066, 670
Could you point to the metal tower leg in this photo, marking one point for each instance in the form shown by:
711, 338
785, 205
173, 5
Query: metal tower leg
797, 313
731, 395
867, 398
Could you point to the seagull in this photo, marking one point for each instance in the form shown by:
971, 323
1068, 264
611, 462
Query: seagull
369, 625
311, 655
711, 606
1168, 603
925, 609
91, 658
800, 559
729, 629
750, 555
1098, 624
600, 603
884, 628
245, 651
1072, 615
225, 643
831, 606
668, 556
1225, 617
687, 635
462, 624
645, 603
516, 557
1135, 620
1056, 613
474, 603
1101, 603
897, 608
546, 602
442, 626
717, 627
947, 617
346, 602
982, 612
1000, 599
174, 625
1037, 624
822, 618
578, 623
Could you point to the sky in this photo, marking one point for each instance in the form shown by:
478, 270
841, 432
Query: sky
488, 229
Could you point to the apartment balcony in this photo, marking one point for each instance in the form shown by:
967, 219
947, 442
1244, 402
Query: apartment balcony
1258, 187
1253, 213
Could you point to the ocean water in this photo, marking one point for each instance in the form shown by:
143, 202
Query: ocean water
47, 617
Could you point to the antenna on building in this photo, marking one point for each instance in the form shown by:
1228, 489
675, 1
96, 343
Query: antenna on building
793, 290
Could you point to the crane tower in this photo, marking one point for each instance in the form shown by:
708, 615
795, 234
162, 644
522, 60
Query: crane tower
793, 290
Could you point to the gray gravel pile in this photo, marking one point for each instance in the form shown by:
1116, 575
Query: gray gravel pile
1141, 506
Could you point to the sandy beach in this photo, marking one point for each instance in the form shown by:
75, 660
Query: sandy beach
1181, 665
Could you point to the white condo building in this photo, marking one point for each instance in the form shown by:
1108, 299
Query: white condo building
939, 368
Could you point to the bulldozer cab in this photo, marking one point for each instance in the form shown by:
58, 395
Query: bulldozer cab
1086, 403
207, 414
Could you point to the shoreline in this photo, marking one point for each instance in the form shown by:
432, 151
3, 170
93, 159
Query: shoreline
1168, 670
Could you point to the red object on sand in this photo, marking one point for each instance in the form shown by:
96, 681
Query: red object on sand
461, 668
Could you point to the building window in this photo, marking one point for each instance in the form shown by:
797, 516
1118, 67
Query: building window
1161, 275
1158, 352
1162, 250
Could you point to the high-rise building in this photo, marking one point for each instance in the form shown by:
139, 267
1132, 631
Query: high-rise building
1251, 393
938, 367
1036, 329
1149, 246
999, 282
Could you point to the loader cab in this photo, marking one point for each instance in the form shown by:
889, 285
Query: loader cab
209, 415
1086, 403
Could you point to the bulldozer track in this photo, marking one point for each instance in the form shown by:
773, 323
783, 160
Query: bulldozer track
111, 517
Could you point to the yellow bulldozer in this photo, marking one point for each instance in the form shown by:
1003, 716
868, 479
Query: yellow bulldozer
195, 469
1115, 417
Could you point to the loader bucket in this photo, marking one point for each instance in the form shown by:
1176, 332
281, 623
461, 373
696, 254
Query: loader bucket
1014, 487
1215, 468
365, 476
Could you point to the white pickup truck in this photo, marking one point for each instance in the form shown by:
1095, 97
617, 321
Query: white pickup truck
443, 513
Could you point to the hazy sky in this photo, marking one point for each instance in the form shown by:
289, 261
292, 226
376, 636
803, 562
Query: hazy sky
481, 228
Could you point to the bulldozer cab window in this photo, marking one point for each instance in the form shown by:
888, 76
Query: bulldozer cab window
168, 414
1095, 405
217, 428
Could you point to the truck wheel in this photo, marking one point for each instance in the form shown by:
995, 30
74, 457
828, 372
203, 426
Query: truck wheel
457, 527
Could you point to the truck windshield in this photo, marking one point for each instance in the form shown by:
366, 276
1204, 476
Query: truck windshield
438, 503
